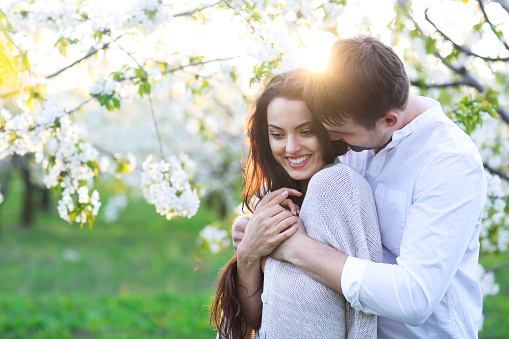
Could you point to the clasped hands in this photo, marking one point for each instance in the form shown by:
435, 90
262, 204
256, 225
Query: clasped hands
274, 221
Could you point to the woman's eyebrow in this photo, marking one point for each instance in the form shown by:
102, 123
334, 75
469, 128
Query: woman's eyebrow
305, 123
274, 126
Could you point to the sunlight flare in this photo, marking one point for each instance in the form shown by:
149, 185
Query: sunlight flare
314, 53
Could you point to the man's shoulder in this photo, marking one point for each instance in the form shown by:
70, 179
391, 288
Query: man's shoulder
356, 160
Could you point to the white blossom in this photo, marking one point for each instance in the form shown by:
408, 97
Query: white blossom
166, 186
487, 282
103, 87
114, 206
70, 254
215, 238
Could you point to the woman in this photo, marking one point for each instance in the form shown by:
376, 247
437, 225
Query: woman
290, 151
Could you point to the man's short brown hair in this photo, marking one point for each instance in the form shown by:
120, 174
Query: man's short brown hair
364, 80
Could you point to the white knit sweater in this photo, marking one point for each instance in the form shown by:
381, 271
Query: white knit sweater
339, 211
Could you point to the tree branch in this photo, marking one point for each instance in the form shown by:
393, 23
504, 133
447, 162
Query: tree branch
33, 127
498, 267
496, 172
88, 55
81, 105
179, 68
239, 14
112, 155
504, 114
152, 112
468, 79
196, 10
198, 63
459, 47
446, 84
8, 94
150, 103
107, 45
493, 28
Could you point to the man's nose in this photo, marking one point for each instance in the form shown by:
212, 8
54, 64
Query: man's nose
334, 136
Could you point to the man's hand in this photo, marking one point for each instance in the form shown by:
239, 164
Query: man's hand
284, 251
238, 230
240, 223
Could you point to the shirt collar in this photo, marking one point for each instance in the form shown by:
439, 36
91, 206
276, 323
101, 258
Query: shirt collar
432, 114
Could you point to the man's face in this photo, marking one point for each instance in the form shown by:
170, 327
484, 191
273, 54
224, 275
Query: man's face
358, 137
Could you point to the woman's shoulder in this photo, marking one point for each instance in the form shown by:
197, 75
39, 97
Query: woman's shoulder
337, 171
338, 179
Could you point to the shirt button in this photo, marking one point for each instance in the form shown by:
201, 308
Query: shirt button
264, 298
262, 334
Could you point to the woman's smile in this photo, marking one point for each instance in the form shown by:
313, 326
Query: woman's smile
298, 161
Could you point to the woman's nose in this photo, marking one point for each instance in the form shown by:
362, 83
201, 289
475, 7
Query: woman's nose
292, 145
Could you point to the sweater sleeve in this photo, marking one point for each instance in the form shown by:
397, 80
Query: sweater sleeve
341, 213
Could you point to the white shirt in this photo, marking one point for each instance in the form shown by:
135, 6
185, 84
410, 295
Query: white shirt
429, 187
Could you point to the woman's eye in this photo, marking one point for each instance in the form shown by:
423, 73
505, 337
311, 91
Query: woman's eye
307, 132
276, 135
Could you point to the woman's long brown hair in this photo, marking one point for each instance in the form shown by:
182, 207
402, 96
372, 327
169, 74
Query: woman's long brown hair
262, 174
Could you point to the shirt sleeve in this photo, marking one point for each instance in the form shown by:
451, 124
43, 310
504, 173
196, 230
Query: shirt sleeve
447, 204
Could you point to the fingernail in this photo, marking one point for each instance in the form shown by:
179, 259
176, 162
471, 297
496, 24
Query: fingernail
284, 194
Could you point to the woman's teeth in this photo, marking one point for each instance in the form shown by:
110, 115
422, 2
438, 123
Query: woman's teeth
298, 160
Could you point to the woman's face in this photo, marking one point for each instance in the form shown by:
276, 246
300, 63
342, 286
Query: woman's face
292, 138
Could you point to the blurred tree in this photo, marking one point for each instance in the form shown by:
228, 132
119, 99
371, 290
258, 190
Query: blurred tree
92, 88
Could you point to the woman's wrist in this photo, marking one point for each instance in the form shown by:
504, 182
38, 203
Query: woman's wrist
247, 260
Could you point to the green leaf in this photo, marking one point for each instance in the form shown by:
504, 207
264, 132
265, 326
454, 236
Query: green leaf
233, 75
139, 73
117, 75
90, 219
72, 216
116, 103
430, 45
147, 87
98, 35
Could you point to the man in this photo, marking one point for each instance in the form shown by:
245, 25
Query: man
429, 186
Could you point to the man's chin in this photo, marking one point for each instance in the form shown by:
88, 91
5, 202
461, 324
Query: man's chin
359, 148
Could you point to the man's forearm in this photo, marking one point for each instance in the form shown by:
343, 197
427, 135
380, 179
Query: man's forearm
321, 262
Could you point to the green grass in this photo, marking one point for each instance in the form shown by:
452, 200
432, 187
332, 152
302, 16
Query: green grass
496, 308
136, 278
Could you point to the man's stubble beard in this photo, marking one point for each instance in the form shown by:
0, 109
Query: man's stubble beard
380, 142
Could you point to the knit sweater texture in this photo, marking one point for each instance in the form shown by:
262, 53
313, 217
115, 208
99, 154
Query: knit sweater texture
339, 211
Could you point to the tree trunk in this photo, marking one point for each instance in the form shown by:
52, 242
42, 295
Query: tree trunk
5, 184
45, 199
27, 211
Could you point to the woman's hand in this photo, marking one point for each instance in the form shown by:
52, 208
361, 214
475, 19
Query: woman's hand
269, 225
240, 223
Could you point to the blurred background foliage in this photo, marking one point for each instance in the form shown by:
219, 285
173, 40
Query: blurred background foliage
134, 275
